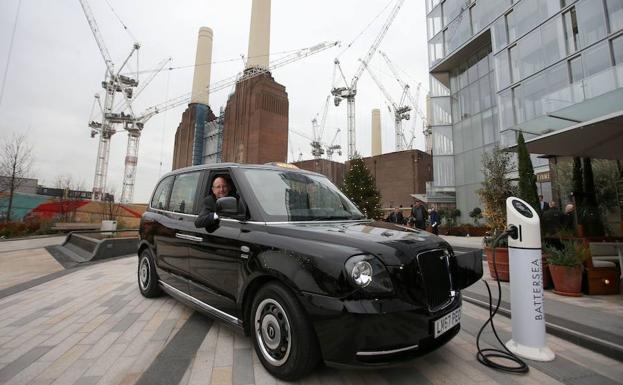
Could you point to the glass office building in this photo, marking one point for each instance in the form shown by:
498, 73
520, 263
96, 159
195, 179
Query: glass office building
498, 67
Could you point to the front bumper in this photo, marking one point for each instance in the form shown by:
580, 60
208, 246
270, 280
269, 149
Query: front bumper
374, 332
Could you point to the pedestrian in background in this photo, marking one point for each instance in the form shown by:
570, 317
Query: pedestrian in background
435, 220
420, 214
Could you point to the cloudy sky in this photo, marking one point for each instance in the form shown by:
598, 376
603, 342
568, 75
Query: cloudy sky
54, 68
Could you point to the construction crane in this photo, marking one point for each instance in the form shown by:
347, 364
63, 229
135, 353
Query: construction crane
113, 83
138, 123
400, 110
349, 92
414, 100
332, 147
318, 130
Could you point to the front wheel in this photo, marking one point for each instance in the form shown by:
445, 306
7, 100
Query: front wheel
282, 336
147, 277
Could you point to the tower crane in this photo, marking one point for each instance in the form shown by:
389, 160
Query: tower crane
414, 100
350, 91
113, 83
332, 147
400, 110
318, 130
137, 123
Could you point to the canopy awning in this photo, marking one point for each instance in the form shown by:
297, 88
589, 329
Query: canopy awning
600, 138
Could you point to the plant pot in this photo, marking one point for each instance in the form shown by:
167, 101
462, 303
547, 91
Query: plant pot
567, 280
547, 276
501, 263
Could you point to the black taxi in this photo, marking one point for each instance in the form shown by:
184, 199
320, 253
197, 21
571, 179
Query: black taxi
295, 265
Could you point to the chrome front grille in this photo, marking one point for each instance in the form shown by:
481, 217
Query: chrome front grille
434, 269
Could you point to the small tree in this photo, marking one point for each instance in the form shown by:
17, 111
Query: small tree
590, 213
527, 180
496, 187
453, 214
67, 204
360, 187
476, 215
110, 209
15, 164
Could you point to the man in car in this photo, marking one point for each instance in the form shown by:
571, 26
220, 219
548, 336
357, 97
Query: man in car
221, 187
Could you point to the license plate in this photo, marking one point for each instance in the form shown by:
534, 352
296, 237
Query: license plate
446, 322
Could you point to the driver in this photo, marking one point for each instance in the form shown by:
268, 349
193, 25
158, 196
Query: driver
221, 187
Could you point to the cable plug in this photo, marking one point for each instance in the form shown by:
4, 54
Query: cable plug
512, 231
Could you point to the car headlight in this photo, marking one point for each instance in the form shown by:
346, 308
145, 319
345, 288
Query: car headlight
368, 273
362, 273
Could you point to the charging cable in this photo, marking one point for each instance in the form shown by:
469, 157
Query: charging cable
484, 356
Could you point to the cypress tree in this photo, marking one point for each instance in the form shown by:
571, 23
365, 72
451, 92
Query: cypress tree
578, 188
360, 187
527, 180
590, 218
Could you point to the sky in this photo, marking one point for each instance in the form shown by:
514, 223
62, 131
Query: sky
52, 68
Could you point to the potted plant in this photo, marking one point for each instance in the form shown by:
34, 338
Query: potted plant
565, 265
496, 187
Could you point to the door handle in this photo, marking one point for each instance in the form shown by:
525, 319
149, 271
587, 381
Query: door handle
188, 237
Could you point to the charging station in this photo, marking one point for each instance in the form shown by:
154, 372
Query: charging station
526, 282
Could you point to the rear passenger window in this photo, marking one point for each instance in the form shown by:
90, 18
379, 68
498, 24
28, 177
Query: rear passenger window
183, 194
159, 201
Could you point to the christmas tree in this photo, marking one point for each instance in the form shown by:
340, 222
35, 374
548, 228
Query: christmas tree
360, 187
527, 180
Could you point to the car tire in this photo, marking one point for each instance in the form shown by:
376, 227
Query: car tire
147, 277
282, 335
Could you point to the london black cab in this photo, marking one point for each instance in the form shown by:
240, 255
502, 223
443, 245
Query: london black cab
295, 265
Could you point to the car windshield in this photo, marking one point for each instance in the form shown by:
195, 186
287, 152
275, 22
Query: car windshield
286, 195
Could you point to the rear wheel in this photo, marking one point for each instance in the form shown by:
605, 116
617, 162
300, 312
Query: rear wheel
147, 277
282, 335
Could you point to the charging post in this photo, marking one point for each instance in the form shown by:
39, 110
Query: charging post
526, 282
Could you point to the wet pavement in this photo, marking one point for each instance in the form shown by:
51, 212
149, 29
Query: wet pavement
90, 325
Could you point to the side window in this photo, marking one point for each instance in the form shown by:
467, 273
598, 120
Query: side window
183, 193
159, 201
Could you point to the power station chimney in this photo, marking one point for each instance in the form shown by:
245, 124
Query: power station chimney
259, 35
203, 60
376, 132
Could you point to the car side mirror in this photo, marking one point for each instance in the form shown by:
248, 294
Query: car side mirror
467, 270
227, 206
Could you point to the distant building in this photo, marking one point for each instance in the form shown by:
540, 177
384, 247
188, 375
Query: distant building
189, 144
399, 175
256, 122
332, 170
501, 67
25, 185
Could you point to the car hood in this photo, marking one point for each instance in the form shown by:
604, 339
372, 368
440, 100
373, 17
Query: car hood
393, 244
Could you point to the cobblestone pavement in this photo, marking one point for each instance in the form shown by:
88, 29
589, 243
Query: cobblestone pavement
92, 326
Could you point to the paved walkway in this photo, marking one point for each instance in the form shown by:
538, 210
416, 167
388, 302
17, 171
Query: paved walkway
91, 326
24, 260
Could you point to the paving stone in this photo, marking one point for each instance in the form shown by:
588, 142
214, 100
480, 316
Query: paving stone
60, 365
242, 372
125, 323
164, 330
221, 376
25, 360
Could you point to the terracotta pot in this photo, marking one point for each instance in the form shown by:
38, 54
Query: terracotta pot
547, 276
567, 280
501, 263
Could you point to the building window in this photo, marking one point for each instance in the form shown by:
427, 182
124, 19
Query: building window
511, 31
552, 37
591, 21
571, 30
615, 14
575, 69
513, 58
518, 110
617, 50
529, 53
